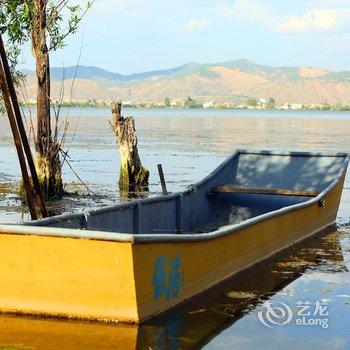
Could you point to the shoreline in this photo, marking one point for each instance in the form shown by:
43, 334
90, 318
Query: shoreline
106, 104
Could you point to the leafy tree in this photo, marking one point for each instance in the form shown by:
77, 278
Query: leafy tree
271, 103
45, 24
252, 101
167, 102
325, 106
191, 103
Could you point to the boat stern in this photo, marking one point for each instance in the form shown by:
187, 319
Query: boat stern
66, 276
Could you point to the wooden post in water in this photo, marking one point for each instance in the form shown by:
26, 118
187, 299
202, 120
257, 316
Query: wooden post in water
133, 176
18, 144
162, 180
21, 129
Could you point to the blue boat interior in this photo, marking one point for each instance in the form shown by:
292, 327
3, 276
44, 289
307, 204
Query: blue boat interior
202, 209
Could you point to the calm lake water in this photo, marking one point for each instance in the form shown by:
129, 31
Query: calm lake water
189, 144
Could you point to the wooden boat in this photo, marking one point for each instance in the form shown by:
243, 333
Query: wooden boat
194, 327
131, 261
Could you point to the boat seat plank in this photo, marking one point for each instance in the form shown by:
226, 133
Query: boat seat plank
270, 191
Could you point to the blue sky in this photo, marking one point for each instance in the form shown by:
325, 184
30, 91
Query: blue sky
128, 36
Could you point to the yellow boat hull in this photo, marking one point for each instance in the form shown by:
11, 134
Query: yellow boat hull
87, 277
196, 324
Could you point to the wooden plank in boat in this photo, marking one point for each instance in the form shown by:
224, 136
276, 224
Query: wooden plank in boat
280, 192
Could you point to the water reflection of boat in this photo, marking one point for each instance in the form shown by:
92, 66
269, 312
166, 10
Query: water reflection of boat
173, 247
188, 327
196, 324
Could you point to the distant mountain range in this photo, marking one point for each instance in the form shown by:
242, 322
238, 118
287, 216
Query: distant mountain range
233, 81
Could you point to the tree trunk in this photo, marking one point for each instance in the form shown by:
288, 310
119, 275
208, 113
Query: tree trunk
133, 176
43, 121
47, 159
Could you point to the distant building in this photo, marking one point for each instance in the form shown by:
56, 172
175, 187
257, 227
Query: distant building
262, 101
209, 104
296, 106
175, 103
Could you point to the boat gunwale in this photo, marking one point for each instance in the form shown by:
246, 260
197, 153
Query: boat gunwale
41, 230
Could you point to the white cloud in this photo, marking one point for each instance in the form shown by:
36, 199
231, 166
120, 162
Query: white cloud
314, 20
196, 23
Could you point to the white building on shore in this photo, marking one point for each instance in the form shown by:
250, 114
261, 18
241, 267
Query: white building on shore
209, 104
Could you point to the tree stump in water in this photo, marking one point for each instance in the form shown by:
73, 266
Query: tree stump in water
133, 176
49, 171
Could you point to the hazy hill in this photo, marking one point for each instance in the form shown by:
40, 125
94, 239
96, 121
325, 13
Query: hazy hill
232, 81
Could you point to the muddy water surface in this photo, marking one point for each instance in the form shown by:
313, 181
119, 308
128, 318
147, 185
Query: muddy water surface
190, 143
